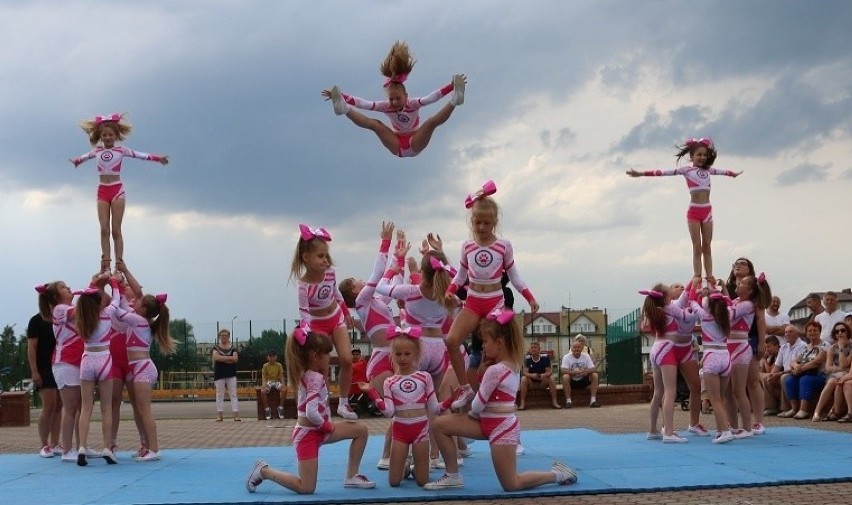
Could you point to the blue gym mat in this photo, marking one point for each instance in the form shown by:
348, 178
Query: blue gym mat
605, 463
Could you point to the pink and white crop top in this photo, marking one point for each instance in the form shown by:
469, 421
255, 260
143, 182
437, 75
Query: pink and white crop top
419, 310
131, 324
408, 392
498, 388
312, 399
109, 160
685, 325
69, 345
408, 119
104, 332
486, 264
697, 179
677, 318
711, 332
319, 296
373, 309
742, 316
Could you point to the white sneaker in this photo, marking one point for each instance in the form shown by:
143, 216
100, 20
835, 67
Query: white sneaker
743, 434
70, 456
445, 482
46, 452
268, 414
758, 429
281, 412
109, 456
519, 450
383, 464
464, 396
91, 453
340, 106
464, 453
82, 452
345, 412
57, 450
724, 437
254, 478
674, 438
359, 481
458, 89
149, 456
699, 430
564, 473
655, 436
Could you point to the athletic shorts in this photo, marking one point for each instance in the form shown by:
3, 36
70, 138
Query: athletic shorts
307, 442
110, 192
405, 150
699, 213
143, 370
66, 375
434, 357
501, 429
380, 362
663, 353
47, 379
410, 430
95, 366
684, 353
327, 324
481, 304
740, 352
120, 368
717, 361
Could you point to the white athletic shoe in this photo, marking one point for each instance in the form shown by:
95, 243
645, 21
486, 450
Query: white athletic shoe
57, 450
383, 464
70, 456
109, 456
281, 412
674, 438
519, 450
699, 430
655, 436
458, 89
464, 453
340, 106
743, 434
464, 396
445, 482
267, 413
344, 411
758, 429
254, 478
724, 437
359, 481
149, 456
91, 453
46, 452
564, 473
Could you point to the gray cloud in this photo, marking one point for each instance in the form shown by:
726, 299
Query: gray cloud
801, 174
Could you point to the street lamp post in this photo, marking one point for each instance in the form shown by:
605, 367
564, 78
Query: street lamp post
233, 338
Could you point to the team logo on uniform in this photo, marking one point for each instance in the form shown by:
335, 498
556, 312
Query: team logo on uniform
483, 258
324, 292
408, 386
402, 118
106, 156
702, 173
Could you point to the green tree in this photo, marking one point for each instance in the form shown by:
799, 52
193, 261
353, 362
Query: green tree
10, 358
253, 355
184, 359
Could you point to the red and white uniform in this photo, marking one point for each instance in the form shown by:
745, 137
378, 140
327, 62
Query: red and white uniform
742, 317
109, 160
717, 359
69, 347
665, 351
375, 315
409, 392
406, 121
685, 327
320, 296
97, 364
311, 404
697, 179
498, 388
139, 339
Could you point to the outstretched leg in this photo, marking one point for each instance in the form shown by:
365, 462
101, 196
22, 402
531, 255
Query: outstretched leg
706, 252
103, 220
117, 211
695, 237
420, 139
386, 136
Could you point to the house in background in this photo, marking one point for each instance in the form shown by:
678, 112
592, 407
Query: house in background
800, 313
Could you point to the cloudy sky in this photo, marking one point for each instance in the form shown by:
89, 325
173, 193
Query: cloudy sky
562, 98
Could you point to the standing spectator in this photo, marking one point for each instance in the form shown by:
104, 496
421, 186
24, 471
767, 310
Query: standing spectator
814, 303
775, 321
578, 372
225, 359
787, 353
537, 374
40, 345
770, 378
272, 376
829, 317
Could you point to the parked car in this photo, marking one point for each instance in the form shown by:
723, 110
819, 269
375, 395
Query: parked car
24, 385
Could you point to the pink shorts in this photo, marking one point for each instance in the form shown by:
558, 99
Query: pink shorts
327, 324
717, 362
143, 370
110, 192
434, 357
405, 150
663, 353
481, 305
700, 213
684, 353
411, 430
120, 368
307, 442
95, 366
66, 375
380, 362
501, 429
740, 352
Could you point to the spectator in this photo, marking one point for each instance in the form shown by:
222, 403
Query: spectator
537, 374
770, 379
578, 372
272, 377
586, 348
792, 347
814, 303
40, 345
775, 321
829, 317
806, 377
837, 363
225, 359
357, 398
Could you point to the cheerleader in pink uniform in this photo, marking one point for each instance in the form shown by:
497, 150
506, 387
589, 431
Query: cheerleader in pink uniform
492, 413
483, 261
699, 218
321, 305
307, 356
108, 130
406, 137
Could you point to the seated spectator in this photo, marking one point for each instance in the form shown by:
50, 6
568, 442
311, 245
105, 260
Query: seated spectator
578, 372
836, 365
806, 377
771, 381
359, 400
586, 348
272, 379
537, 374
792, 347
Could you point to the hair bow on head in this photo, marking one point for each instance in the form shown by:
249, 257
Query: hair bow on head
161, 298
87, 291
440, 265
41, 288
501, 315
396, 79
308, 233
651, 292
410, 331
301, 333
703, 141
489, 188
719, 296
112, 117
761, 278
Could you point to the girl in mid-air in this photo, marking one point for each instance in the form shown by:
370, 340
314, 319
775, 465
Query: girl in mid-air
321, 305
108, 130
406, 137
699, 217
307, 356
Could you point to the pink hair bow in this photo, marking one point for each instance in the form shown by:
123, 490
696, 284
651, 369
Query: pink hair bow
301, 333
719, 296
501, 315
308, 233
87, 291
651, 292
489, 188
161, 298
41, 288
703, 141
440, 265
761, 278
112, 117
396, 79
410, 331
